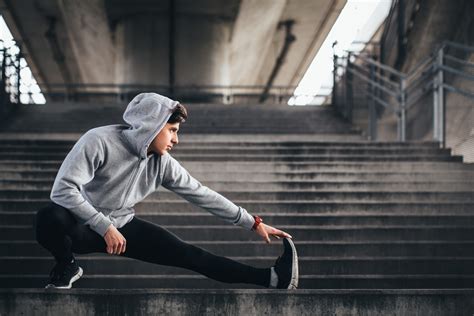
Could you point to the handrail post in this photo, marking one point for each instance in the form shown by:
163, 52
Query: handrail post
334, 81
349, 90
438, 101
441, 105
372, 114
402, 124
18, 71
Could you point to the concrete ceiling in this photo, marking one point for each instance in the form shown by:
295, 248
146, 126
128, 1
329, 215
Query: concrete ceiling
129, 41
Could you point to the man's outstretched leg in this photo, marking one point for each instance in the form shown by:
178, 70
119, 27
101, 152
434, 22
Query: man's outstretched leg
151, 243
58, 231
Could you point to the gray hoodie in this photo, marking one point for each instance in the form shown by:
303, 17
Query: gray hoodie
108, 171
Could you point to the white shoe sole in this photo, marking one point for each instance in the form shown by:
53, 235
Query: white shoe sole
294, 269
76, 277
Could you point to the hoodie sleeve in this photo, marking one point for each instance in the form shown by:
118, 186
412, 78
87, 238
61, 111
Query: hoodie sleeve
76, 170
178, 180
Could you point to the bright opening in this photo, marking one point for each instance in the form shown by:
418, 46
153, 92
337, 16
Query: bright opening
28, 85
358, 22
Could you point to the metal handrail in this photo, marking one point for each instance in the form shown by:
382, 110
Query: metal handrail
457, 72
382, 66
395, 85
459, 61
460, 91
366, 79
458, 46
399, 91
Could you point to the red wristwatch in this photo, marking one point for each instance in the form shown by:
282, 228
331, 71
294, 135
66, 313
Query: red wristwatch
258, 220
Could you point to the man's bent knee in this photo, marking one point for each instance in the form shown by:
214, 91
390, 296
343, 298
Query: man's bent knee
53, 216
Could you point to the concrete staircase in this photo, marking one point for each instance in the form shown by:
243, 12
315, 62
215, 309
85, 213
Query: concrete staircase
379, 227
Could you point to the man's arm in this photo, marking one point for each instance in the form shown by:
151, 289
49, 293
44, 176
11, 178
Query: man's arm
178, 180
77, 169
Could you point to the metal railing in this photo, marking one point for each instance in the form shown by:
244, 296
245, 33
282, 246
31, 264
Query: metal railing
193, 93
362, 82
12, 63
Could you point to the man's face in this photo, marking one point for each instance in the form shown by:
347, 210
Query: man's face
165, 140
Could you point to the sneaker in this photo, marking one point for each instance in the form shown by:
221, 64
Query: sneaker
63, 275
286, 266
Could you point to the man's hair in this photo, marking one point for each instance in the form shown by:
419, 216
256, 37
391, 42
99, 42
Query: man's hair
179, 115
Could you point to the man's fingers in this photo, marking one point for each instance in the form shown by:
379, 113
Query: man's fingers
283, 234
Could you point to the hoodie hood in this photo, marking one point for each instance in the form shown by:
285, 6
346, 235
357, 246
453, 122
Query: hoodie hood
146, 115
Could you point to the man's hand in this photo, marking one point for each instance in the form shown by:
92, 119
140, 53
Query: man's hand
115, 241
266, 231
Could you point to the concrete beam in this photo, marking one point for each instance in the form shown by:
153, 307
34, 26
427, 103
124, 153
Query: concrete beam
91, 41
252, 36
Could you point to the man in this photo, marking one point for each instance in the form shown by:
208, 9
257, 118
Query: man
109, 170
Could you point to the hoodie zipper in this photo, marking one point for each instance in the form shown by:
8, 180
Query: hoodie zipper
132, 180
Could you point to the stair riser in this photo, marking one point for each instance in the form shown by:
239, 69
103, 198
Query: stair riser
27, 218
289, 196
320, 208
202, 283
458, 250
292, 180
290, 186
236, 233
289, 158
258, 167
55, 152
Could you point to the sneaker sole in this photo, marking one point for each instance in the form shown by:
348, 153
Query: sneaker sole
76, 277
294, 268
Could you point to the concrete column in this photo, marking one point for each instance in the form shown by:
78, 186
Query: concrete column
88, 30
142, 50
254, 30
202, 50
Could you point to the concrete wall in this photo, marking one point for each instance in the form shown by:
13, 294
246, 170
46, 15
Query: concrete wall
434, 22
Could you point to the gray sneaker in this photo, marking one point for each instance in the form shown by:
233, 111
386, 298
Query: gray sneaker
63, 275
286, 266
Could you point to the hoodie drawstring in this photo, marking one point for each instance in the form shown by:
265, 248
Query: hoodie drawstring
146, 173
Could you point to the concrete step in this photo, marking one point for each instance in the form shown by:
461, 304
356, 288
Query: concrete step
294, 207
321, 177
221, 138
299, 232
289, 186
178, 302
301, 196
348, 218
371, 281
100, 265
230, 144
259, 157
273, 302
376, 167
442, 253
182, 151
326, 176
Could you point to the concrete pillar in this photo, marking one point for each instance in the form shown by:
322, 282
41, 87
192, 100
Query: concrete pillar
253, 33
142, 50
202, 50
88, 30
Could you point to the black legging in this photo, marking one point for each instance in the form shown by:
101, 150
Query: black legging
58, 231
